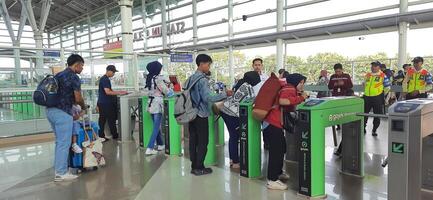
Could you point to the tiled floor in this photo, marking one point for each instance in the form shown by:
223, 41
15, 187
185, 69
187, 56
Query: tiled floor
26, 173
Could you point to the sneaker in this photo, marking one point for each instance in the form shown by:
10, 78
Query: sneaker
208, 170
276, 185
201, 172
161, 147
283, 177
235, 166
65, 177
151, 152
374, 134
76, 148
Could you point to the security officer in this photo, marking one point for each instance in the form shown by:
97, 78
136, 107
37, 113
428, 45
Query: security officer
376, 84
417, 81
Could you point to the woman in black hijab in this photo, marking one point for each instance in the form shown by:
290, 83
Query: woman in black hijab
230, 112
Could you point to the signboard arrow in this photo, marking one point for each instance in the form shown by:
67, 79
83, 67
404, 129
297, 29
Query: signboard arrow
397, 147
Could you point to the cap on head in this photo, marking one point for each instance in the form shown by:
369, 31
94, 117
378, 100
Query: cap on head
73, 59
376, 63
111, 68
418, 59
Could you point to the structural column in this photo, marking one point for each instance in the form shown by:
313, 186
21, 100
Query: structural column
144, 16
231, 58
127, 39
194, 30
280, 17
402, 35
164, 30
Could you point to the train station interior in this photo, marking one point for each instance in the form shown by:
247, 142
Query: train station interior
295, 99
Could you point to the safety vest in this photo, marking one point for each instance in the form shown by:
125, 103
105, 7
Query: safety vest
374, 84
417, 79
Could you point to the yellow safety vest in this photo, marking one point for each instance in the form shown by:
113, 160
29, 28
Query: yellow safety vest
417, 80
374, 84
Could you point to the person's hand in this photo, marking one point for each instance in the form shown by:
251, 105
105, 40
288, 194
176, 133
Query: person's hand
123, 92
305, 95
229, 92
97, 109
76, 117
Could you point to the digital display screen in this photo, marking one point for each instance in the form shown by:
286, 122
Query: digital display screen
405, 107
313, 102
397, 125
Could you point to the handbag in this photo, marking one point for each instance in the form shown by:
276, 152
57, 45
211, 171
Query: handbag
92, 151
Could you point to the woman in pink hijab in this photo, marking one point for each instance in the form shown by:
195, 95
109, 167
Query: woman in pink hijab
323, 80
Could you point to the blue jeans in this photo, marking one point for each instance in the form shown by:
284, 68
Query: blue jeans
156, 133
76, 127
62, 125
232, 124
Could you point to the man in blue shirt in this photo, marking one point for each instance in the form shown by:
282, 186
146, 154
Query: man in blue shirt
202, 97
60, 116
107, 103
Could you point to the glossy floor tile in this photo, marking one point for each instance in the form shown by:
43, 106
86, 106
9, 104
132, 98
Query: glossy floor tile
26, 173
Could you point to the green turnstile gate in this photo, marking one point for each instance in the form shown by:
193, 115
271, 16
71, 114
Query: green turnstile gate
145, 122
250, 141
171, 129
410, 149
314, 116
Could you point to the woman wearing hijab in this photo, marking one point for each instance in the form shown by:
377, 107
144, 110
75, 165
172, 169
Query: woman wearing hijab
290, 96
230, 112
158, 88
323, 80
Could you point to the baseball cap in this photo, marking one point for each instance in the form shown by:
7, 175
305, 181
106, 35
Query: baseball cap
111, 68
418, 59
376, 63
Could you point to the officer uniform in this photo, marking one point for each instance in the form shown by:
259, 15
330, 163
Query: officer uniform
376, 84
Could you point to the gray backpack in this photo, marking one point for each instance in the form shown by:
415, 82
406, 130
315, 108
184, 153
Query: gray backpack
184, 111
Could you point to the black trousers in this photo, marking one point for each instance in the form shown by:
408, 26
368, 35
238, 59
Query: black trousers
108, 113
277, 149
198, 141
376, 103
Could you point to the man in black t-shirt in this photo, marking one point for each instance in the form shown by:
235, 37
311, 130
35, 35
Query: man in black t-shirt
107, 103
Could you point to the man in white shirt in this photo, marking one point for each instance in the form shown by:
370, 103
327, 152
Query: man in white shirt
258, 67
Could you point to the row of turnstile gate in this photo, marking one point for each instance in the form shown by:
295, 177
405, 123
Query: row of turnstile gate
410, 144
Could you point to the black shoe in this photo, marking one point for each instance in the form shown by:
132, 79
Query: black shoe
208, 170
201, 172
116, 137
266, 146
374, 134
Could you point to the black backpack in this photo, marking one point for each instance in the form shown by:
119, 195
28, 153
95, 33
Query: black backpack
47, 94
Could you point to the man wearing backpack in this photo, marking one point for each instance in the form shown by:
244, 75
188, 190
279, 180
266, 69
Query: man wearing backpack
60, 116
201, 97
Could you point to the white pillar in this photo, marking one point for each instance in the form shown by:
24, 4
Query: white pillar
127, 38
402, 35
164, 30
39, 53
231, 58
280, 19
17, 59
194, 30
144, 16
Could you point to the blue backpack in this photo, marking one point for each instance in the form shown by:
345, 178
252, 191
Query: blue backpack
46, 94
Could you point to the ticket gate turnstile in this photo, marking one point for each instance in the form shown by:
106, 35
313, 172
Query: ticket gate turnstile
145, 122
127, 115
410, 149
314, 116
170, 129
250, 141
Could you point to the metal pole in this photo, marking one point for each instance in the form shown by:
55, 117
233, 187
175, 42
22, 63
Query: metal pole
280, 25
194, 29
285, 28
164, 29
75, 36
230, 26
127, 37
144, 16
107, 32
402, 35
92, 68
17, 59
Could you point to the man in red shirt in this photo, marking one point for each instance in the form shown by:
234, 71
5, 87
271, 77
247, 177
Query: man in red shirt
340, 83
290, 96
